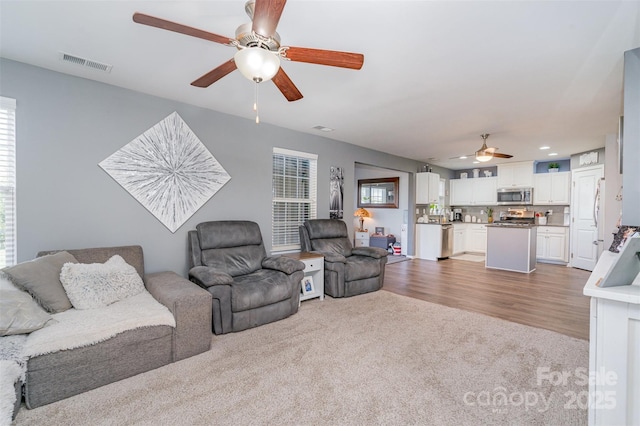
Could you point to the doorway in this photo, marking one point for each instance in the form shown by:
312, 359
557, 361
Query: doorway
392, 220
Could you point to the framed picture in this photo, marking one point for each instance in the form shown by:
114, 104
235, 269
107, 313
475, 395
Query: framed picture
307, 285
380, 230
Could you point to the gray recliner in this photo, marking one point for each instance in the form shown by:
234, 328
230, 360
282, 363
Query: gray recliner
249, 288
348, 270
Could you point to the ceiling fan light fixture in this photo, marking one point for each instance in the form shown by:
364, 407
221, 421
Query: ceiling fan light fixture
257, 64
484, 156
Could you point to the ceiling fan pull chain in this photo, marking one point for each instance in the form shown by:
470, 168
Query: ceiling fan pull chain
255, 104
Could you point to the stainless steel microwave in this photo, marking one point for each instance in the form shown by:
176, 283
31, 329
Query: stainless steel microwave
515, 196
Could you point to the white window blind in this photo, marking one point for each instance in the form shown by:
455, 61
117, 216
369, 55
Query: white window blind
294, 193
7, 182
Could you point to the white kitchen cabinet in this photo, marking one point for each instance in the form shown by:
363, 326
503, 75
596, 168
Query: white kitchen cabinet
515, 175
427, 188
459, 238
460, 191
473, 192
428, 241
552, 244
552, 188
485, 191
476, 238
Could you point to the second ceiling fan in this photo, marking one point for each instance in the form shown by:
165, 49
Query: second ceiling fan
259, 49
485, 153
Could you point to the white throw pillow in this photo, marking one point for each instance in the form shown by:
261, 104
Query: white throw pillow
95, 285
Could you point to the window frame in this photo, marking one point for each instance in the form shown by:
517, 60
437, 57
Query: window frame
284, 233
8, 181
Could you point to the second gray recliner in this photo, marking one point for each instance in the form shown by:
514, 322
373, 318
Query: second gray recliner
348, 270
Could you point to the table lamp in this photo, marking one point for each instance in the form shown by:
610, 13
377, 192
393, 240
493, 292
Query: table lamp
361, 213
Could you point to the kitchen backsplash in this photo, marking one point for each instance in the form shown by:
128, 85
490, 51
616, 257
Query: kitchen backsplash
555, 218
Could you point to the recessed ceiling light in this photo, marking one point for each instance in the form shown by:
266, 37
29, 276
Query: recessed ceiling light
551, 154
463, 157
476, 162
545, 147
323, 129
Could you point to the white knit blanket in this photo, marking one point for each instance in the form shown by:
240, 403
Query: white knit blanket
78, 328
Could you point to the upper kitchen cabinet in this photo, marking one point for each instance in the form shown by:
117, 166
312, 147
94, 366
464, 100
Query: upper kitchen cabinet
552, 188
473, 192
427, 188
515, 175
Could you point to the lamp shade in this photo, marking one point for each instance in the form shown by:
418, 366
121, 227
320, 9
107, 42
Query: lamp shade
257, 64
362, 213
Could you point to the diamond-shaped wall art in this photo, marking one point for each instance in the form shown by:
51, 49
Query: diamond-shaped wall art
168, 170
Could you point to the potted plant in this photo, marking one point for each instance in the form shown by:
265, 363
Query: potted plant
554, 167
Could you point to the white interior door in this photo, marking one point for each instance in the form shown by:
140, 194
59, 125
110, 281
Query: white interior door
584, 231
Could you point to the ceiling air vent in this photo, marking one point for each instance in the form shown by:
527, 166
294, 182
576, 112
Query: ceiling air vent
84, 62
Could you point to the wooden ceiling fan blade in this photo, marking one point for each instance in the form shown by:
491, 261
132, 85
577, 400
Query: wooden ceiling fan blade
266, 16
499, 155
286, 86
152, 21
215, 74
331, 58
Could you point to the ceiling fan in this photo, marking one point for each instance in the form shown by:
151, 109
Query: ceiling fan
485, 153
259, 50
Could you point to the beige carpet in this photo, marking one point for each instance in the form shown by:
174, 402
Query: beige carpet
378, 358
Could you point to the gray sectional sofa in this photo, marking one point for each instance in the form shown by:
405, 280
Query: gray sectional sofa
54, 376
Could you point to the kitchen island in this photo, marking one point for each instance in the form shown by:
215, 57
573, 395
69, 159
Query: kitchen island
511, 247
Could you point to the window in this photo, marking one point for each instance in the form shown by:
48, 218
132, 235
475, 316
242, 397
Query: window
7, 182
294, 189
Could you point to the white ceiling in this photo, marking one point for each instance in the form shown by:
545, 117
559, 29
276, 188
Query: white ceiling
436, 74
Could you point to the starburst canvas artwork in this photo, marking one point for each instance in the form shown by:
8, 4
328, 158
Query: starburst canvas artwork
168, 170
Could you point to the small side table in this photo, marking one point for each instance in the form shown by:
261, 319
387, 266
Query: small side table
362, 239
314, 268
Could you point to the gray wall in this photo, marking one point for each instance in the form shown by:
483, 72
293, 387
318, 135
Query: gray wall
67, 125
631, 144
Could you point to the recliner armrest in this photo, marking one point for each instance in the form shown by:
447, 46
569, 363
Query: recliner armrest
374, 252
283, 264
207, 277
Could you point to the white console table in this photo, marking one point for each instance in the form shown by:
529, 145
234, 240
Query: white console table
614, 349
362, 239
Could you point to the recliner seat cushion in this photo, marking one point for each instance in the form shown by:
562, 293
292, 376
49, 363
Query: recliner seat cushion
259, 289
361, 267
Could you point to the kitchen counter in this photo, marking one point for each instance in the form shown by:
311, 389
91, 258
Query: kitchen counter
511, 247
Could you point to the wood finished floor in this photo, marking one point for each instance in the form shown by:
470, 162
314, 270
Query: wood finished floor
550, 297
